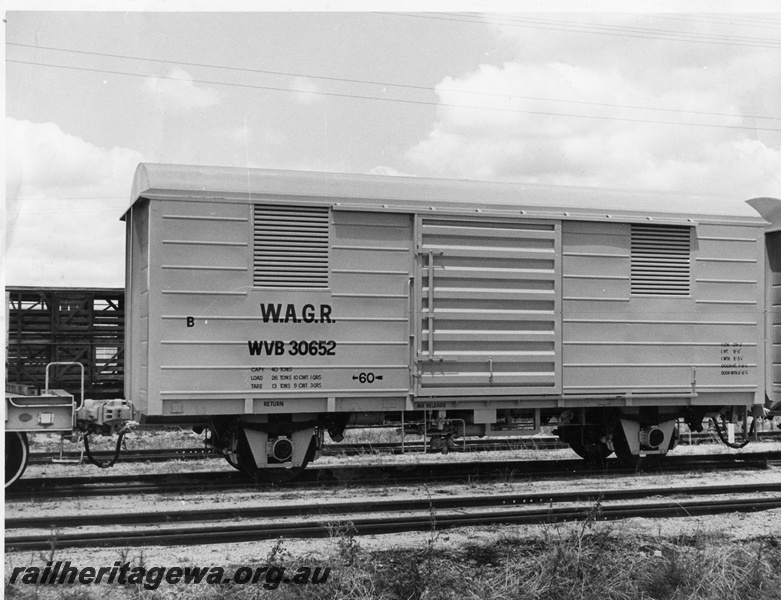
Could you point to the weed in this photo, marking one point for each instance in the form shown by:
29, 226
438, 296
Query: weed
399, 576
348, 549
433, 535
592, 516
137, 587
123, 555
432, 514
48, 556
278, 553
506, 475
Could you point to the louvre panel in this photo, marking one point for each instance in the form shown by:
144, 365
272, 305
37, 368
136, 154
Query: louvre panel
290, 246
661, 260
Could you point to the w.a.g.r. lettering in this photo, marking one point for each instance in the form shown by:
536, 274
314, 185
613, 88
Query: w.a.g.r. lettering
290, 313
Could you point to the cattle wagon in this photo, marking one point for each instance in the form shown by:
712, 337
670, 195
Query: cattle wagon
66, 325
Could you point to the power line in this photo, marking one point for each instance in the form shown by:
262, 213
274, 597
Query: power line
626, 31
691, 36
398, 100
579, 28
388, 84
720, 20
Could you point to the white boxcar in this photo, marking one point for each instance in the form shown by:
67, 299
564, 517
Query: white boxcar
770, 209
271, 306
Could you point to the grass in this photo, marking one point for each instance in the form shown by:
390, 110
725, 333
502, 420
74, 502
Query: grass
586, 560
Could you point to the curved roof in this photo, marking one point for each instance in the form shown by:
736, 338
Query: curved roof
161, 181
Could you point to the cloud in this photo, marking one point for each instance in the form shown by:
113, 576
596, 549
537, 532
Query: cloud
597, 134
305, 91
179, 91
65, 197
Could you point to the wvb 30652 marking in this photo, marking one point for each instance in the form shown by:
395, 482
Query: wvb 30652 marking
293, 348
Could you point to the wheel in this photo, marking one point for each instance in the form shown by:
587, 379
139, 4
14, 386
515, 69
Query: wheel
591, 453
16, 455
265, 475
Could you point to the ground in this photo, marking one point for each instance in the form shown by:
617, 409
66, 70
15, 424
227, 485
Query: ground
730, 556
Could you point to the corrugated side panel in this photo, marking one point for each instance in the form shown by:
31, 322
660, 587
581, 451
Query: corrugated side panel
490, 307
774, 316
201, 255
264, 349
137, 293
617, 341
371, 266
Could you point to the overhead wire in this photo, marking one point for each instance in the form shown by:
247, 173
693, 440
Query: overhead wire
714, 19
570, 27
388, 84
397, 100
523, 21
662, 33
625, 30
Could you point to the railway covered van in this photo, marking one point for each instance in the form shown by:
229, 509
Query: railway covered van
770, 209
271, 307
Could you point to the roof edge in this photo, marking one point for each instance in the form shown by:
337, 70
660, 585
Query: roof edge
770, 209
246, 184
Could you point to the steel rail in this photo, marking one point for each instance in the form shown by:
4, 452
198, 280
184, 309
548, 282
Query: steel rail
426, 521
356, 449
377, 505
134, 455
368, 475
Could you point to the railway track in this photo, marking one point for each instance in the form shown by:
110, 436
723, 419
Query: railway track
357, 449
391, 516
50, 488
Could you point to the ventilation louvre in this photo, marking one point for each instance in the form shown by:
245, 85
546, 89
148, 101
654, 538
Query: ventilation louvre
661, 260
290, 246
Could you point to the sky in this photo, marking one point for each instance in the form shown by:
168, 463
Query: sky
680, 102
